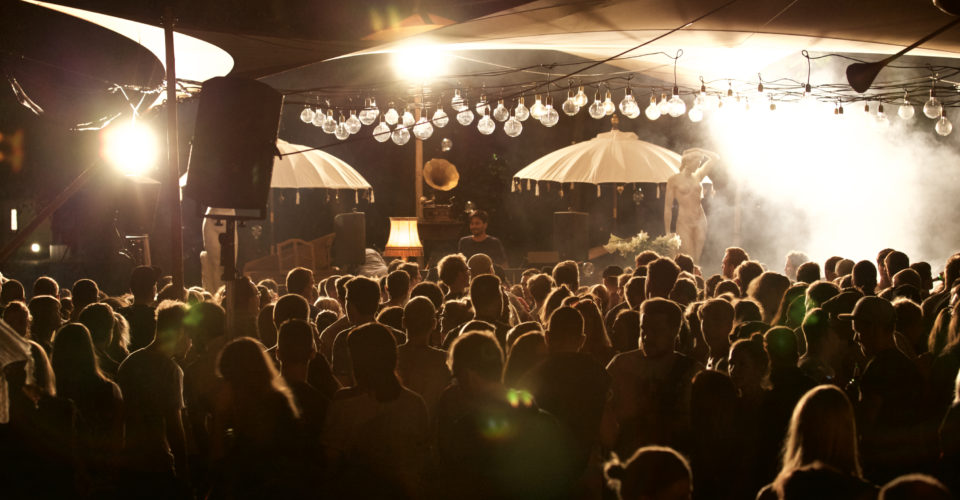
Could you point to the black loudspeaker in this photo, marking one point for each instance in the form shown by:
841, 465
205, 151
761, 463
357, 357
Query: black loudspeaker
351, 241
570, 235
234, 144
136, 204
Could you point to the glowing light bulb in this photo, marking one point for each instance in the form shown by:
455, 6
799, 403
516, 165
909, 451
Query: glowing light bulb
501, 113
465, 117
369, 112
570, 106
318, 118
408, 119
906, 110
400, 136
513, 127
446, 145
677, 106
701, 99
696, 114
381, 132
596, 108
521, 112
536, 111
440, 118
653, 111
486, 125
353, 123
391, 116
581, 99
628, 105
933, 109
882, 116
943, 127
458, 103
664, 105
608, 106
306, 116
423, 129
482, 107
550, 116
330, 123
341, 132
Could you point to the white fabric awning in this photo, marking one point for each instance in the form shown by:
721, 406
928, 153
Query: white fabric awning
611, 157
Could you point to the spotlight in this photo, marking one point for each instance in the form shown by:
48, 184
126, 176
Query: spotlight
420, 62
35, 247
130, 147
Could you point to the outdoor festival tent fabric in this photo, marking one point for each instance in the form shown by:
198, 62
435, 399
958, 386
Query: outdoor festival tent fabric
610, 157
310, 168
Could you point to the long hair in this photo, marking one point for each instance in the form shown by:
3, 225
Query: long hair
596, 342
244, 365
768, 290
75, 362
790, 313
373, 352
822, 429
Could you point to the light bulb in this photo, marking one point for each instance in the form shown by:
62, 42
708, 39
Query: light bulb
446, 145
329, 124
341, 132
353, 123
486, 125
501, 113
664, 105
696, 114
678, 107
521, 112
369, 112
944, 127
408, 119
482, 106
458, 103
701, 99
513, 127
933, 107
906, 110
581, 99
550, 116
423, 129
596, 108
440, 118
465, 117
306, 116
653, 111
318, 119
381, 132
608, 106
627, 103
882, 116
391, 116
570, 106
536, 111
400, 136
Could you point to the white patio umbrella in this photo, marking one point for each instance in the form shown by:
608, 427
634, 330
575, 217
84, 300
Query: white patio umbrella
313, 169
610, 157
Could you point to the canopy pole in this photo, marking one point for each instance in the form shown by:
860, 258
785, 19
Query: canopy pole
173, 157
418, 168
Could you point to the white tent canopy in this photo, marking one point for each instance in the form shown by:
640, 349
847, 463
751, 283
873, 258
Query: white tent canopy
311, 169
610, 157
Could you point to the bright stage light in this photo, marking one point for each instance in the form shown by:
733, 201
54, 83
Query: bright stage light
35, 247
420, 62
129, 147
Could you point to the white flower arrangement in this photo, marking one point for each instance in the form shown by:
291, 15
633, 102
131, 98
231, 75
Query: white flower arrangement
667, 245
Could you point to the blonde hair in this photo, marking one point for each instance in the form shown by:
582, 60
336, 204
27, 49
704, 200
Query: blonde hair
822, 429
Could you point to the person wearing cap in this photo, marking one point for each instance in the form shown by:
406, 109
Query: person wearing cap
480, 242
890, 394
850, 359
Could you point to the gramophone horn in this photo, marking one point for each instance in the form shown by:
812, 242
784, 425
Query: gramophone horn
440, 174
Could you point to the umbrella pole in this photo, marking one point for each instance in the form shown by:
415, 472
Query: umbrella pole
173, 156
418, 169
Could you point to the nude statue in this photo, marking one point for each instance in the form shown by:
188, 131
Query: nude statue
684, 186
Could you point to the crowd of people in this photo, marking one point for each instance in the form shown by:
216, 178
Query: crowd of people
660, 382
